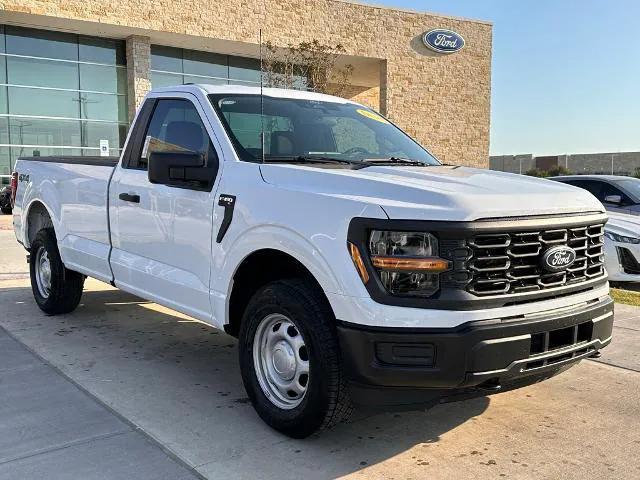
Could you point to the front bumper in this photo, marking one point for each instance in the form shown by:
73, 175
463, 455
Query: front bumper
410, 368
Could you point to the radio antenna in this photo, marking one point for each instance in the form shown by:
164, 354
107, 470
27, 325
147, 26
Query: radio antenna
261, 98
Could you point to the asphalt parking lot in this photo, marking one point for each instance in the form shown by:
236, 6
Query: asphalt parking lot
171, 386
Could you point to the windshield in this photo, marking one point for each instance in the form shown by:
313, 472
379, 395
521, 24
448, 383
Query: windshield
632, 187
295, 128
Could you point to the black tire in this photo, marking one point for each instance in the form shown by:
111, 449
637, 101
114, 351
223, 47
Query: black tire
6, 210
65, 285
326, 401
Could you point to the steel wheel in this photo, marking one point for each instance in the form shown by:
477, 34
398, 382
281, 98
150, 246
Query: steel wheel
281, 361
43, 272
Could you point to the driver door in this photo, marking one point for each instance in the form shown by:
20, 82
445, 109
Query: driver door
162, 234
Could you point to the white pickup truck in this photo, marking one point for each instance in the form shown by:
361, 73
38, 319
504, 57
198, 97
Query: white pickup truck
353, 267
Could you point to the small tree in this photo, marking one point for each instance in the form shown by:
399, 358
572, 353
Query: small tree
559, 170
536, 172
310, 65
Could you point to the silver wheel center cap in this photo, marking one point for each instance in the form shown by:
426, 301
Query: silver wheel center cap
284, 360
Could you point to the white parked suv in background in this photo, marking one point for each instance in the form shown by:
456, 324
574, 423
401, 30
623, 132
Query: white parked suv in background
622, 247
353, 267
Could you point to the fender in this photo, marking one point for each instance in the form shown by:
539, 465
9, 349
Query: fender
313, 256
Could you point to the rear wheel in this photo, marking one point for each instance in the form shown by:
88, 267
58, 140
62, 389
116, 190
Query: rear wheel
56, 289
290, 360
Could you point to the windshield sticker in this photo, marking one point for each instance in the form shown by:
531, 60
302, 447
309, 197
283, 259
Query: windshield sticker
371, 115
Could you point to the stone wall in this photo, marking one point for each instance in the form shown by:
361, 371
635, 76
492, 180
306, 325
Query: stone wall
442, 100
623, 163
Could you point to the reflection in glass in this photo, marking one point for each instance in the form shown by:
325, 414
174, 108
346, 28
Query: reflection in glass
49, 103
4, 130
205, 80
165, 79
3, 99
36, 131
93, 132
99, 78
102, 50
100, 106
42, 73
5, 161
205, 63
28, 107
168, 59
41, 43
245, 69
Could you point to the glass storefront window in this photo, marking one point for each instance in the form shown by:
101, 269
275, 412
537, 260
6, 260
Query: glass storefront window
36, 131
166, 59
205, 63
100, 78
175, 66
93, 132
100, 106
39, 102
42, 73
102, 50
41, 43
60, 94
159, 79
244, 69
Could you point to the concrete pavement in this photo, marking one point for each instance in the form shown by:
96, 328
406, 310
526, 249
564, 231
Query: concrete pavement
49, 428
177, 380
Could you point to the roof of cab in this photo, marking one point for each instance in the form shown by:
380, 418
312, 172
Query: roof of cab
242, 89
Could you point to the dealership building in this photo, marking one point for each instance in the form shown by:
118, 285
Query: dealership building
72, 72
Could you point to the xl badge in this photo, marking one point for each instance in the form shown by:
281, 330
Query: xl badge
558, 258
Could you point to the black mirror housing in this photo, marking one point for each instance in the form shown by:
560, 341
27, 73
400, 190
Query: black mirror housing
180, 169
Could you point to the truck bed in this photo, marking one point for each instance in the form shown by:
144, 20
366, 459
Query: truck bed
75, 192
76, 160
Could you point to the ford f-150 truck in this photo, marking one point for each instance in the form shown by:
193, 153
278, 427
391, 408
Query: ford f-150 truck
354, 268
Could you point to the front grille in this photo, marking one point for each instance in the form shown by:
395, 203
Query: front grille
510, 262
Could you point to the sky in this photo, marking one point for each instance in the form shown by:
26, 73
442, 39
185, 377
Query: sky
565, 76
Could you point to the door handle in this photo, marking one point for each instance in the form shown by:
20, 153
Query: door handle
129, 197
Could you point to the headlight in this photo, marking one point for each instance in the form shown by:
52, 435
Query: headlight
407, 262
621, 238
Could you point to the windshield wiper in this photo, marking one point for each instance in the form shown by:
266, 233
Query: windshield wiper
396, 161
312, 159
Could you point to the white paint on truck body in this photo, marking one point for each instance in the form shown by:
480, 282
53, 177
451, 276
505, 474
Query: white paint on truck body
164, 247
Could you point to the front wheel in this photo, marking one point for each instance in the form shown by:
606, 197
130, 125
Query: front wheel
56, 289
290, 360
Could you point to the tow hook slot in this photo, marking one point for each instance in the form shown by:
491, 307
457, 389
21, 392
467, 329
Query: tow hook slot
228, 202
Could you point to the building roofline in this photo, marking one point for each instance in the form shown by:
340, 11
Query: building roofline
416, 12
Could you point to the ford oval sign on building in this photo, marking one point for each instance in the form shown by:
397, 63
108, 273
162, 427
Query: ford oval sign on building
443, 41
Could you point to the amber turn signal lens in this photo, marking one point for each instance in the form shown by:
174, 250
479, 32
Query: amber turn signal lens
357, 261
431, 265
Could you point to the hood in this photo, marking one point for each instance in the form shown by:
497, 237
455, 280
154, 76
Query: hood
623, 224
437, 192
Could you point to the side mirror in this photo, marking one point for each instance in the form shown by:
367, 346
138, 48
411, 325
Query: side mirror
178, 169
615, 199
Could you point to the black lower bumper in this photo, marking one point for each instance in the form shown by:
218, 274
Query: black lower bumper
395, 368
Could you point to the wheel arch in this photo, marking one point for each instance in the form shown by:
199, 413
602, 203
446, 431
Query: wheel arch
37, 216
256, 270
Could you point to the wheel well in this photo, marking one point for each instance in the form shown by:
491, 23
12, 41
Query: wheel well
255, 271
37, 219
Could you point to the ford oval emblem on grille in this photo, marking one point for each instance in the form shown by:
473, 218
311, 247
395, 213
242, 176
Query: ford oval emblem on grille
558, 258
